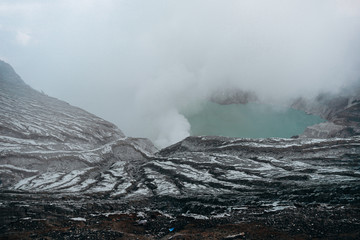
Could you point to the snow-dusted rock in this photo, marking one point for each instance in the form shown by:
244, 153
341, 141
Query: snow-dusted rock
48, 145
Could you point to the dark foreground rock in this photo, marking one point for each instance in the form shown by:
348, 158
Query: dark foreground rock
86, 218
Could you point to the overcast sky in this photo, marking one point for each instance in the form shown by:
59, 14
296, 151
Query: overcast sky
139, 63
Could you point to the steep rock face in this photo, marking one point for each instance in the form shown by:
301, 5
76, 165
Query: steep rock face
46, 143
342, 112
233, 96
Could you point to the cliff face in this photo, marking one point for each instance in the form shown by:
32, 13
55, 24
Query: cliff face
342, 112
233, 96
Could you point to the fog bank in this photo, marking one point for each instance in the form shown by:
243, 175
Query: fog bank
140, 63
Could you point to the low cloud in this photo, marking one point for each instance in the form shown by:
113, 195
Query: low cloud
141, 63
23, 38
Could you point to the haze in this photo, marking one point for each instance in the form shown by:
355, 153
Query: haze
139, 63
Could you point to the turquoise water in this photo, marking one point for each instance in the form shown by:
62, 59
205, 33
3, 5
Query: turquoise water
249, 120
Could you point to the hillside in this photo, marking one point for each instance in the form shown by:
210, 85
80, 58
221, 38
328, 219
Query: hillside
66, 174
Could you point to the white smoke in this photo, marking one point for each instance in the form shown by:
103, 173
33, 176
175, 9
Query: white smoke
140, 63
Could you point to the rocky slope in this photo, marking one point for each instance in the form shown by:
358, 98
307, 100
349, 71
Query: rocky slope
49, 145
342, 112
249, 170
67, 174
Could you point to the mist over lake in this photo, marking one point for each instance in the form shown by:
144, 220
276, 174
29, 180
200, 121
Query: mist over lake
252, 120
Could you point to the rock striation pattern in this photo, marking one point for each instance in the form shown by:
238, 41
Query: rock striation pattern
76, 175
245, 171
48, 145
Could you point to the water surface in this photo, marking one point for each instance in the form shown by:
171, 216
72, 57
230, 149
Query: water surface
251, 120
